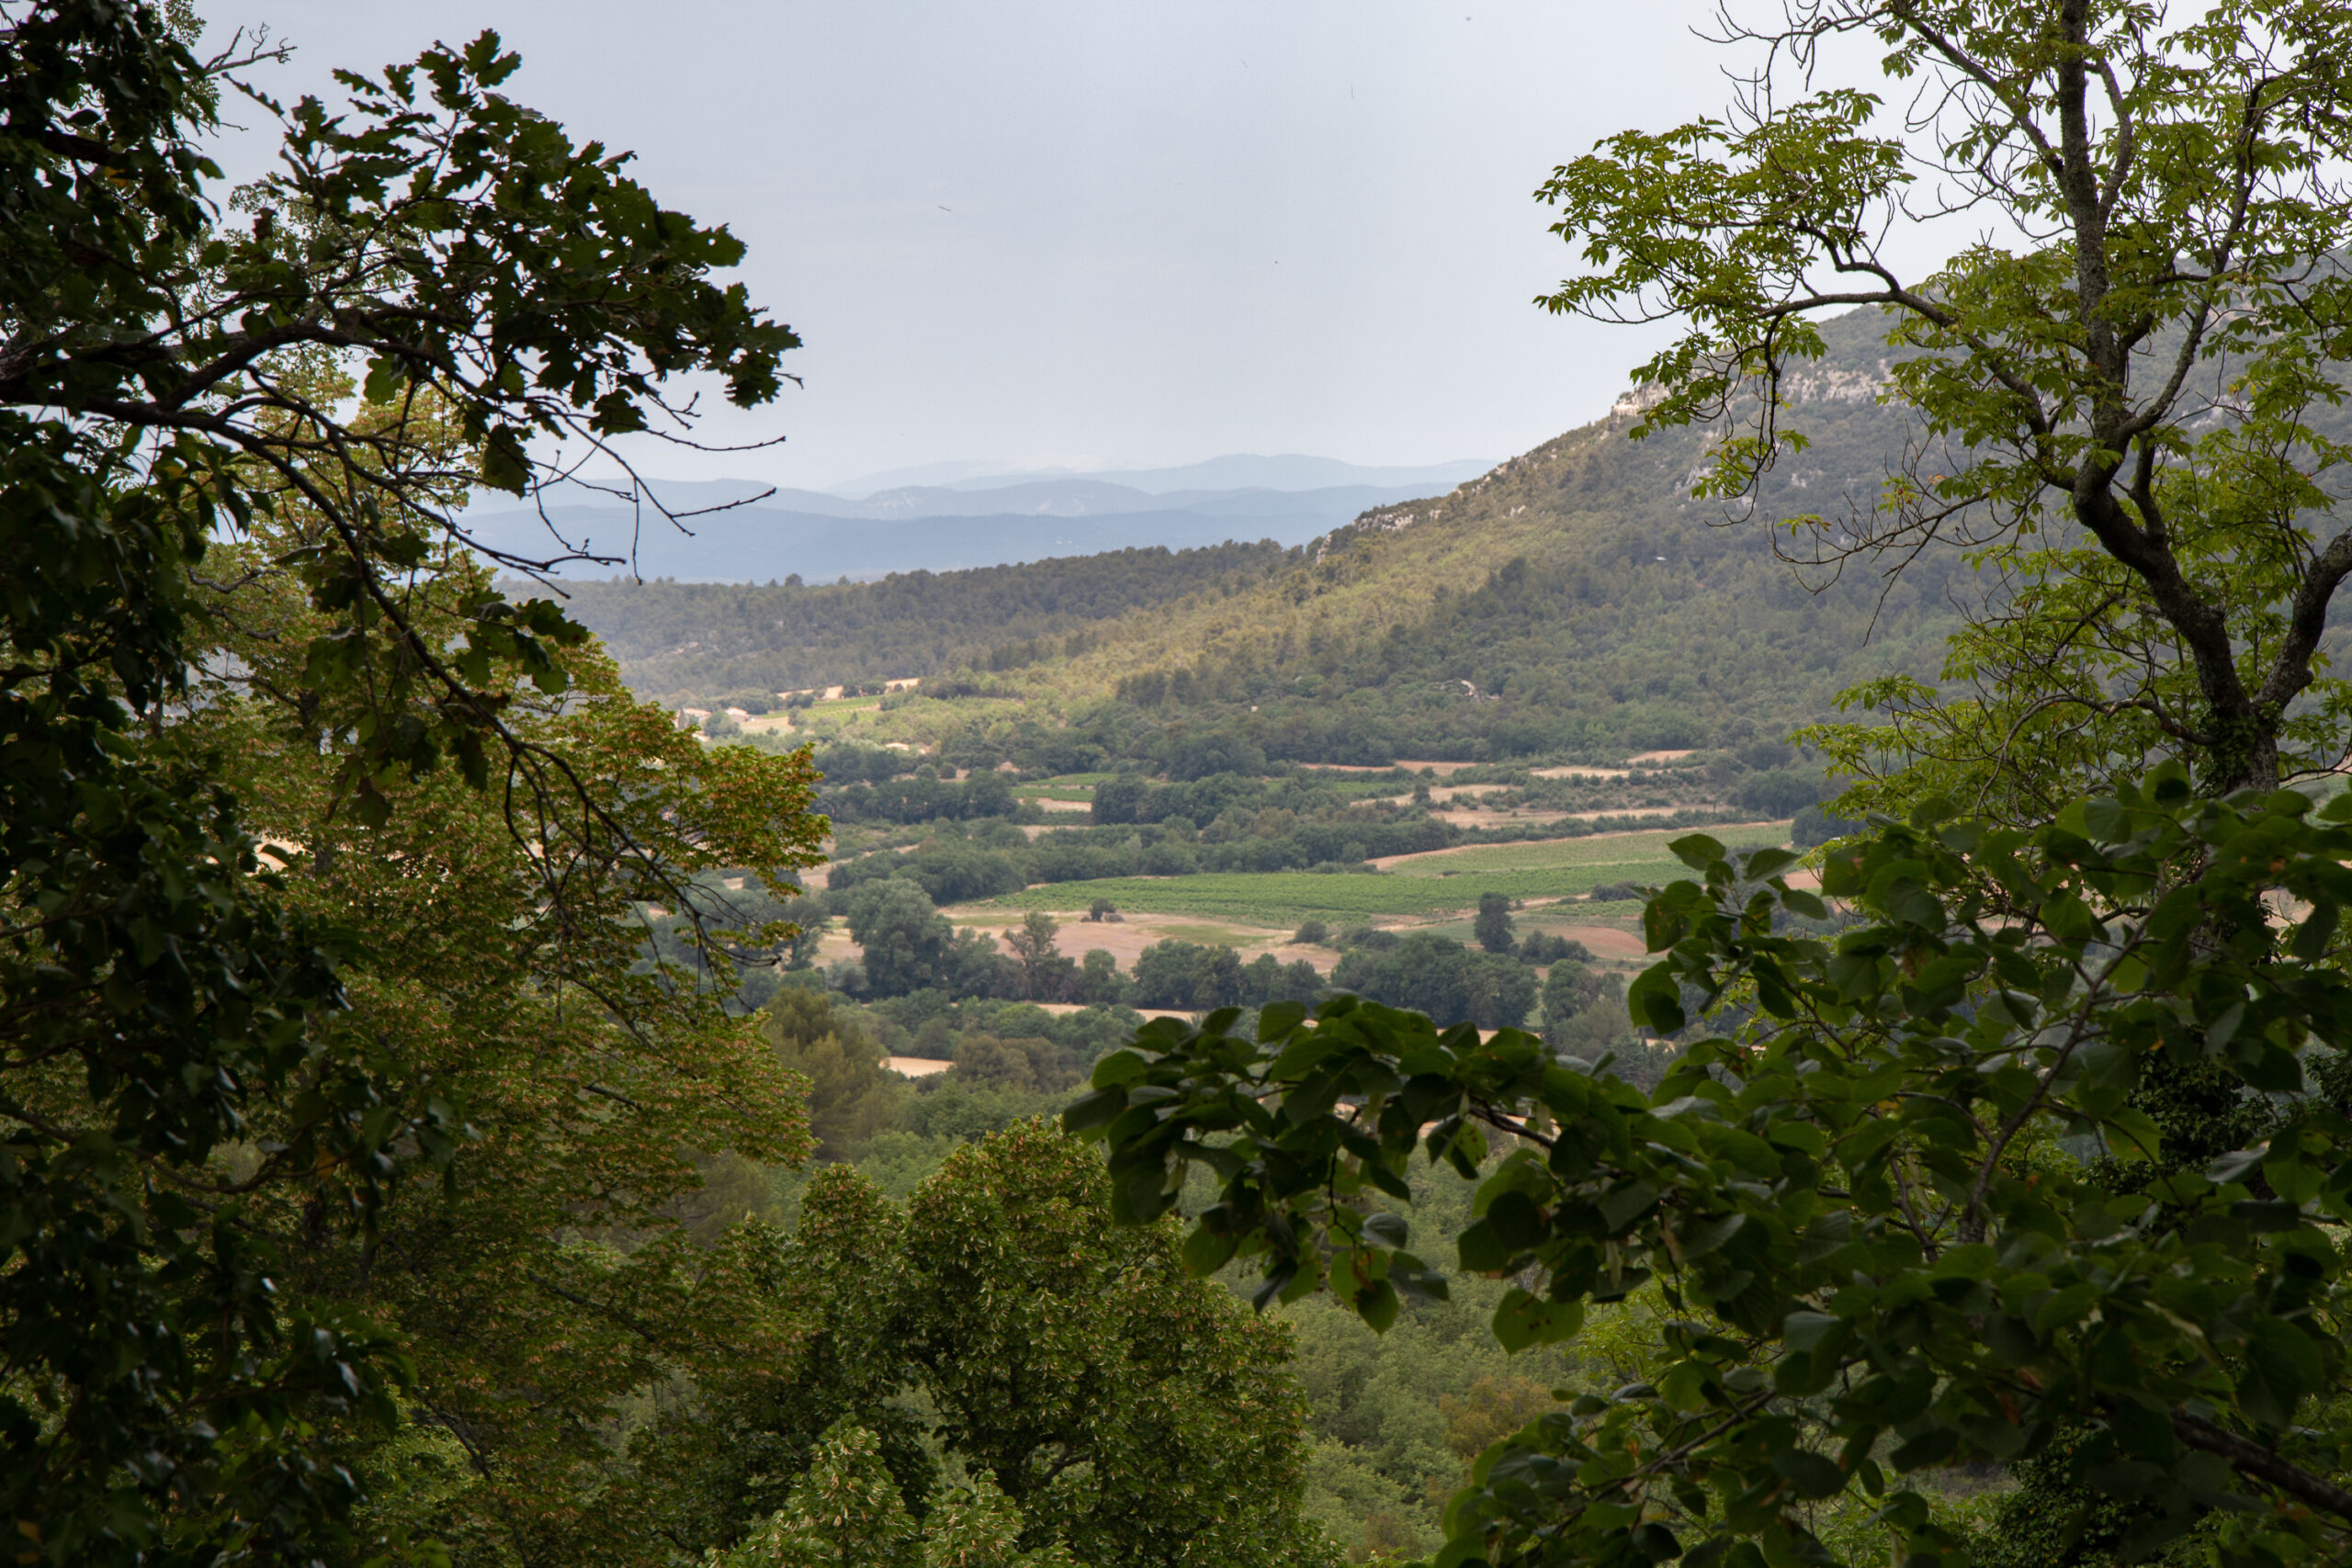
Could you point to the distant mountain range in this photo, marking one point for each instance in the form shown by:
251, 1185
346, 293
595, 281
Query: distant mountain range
1240, 471
729, 531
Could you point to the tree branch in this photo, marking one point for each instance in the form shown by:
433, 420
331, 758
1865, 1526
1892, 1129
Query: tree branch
2262, 1464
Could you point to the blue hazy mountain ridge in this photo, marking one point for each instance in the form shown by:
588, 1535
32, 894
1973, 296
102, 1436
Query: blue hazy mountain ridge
1238, 470
821, 536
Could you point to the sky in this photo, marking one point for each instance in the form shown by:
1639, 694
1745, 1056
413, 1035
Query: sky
1109, 232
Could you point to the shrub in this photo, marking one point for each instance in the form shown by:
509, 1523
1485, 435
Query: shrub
1814, 826
1550, 947
1495, 927
1782, 792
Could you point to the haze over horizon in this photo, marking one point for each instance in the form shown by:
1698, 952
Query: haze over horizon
736, 530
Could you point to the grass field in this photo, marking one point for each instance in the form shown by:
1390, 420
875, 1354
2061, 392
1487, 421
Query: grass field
1285, 897
1055, 792
1420, 888
1611, 850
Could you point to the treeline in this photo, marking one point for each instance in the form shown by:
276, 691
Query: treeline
909, 949
1497, 987
1211, 772
721, 642
954, 868
1224, 822
956, 864
1103, 734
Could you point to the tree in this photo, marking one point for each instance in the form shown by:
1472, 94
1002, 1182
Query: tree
2123, 381
1122, 1411
1188, 975
1497, 990
1494, 928
1217, 978
847, 1512
975, 967
852, 1092
1871, 1208
1569, 989
1033, 949
1115, 799
1421, 970
907, 944
1550, 947
1099, 981
217, 1085
1267, 979
1022, 1065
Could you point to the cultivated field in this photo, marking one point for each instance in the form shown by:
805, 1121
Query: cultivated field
1613, 850
1416, 887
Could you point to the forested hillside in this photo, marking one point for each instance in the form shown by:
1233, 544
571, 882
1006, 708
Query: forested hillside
1575, 601
717, 640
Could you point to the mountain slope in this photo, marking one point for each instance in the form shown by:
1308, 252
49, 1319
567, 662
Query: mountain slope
1573, 599
724, 642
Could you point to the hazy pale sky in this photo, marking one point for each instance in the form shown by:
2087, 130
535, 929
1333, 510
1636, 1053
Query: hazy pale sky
1129, 232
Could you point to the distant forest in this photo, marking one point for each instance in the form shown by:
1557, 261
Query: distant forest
1610, 613
718, 642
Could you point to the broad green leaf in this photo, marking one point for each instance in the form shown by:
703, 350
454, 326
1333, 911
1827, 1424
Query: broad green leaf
1522, 1320
1697, 850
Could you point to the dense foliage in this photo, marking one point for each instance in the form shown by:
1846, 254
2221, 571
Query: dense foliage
257, 721
1109, 1406
2040, 1166
596, 1095
1875, 1193
1393, 1420
2131, 411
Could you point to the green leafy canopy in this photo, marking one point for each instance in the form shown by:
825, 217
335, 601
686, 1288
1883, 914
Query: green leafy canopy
2124, 381
1877, 1209
434, 279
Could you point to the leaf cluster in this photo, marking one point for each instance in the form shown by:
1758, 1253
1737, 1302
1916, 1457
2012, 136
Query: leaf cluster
1878, 1252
